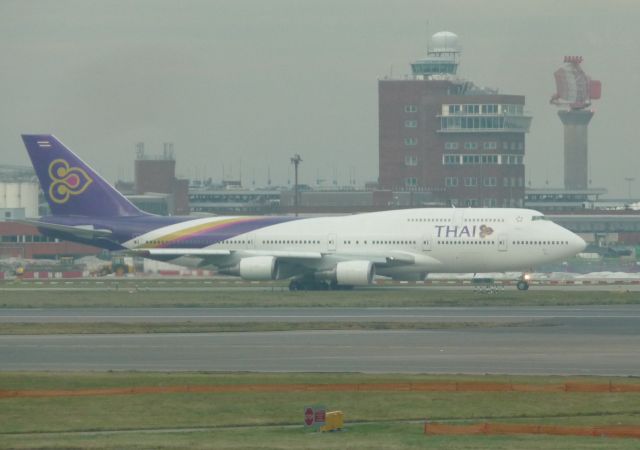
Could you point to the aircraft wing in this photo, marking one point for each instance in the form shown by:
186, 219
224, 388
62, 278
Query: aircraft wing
81, 231
202, 252
284, 254
390, 258
208, 252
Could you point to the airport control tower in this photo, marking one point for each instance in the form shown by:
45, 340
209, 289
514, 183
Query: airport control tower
448, 139
574, 92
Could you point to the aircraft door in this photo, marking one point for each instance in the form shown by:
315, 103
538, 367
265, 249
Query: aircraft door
503, 242
332, 240
426, 243
458, 215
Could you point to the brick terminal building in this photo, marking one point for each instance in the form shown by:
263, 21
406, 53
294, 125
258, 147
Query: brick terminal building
444, 135
25, 241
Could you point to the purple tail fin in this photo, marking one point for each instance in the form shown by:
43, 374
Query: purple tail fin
70, 186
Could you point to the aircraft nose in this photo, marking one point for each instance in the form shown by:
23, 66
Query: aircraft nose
577, 243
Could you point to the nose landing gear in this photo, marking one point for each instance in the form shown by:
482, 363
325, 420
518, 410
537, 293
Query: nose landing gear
523, 282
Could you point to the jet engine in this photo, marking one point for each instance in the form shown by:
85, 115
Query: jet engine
355, 273
255, 268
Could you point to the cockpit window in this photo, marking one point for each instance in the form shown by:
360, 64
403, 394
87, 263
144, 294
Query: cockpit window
534, 218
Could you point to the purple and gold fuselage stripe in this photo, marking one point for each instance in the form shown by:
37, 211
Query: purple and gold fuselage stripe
207, 229
211, 233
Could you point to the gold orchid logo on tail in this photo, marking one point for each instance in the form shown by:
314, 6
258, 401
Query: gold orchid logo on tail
66, 181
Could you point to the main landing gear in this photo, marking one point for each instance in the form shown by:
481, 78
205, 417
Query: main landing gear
311, 284
523, 282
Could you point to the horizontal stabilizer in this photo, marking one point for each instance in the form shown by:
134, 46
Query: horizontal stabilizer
81, 231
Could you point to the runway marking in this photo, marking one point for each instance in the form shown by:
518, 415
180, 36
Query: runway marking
394, 316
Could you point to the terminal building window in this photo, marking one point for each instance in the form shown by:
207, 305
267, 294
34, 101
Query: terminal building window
411, 123
450, 159
471, 181
482, 109
471, 109
511, 159
410, 160
471, 159
410, 108
454, 159
490, 181
471, 123
451, 181
514, 110
489, 109
410, 141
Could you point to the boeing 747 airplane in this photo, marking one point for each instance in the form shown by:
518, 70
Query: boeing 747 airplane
315, 253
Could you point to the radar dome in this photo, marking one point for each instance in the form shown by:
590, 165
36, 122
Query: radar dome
444, 42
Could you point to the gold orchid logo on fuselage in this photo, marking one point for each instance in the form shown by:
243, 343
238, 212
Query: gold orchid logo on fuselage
66, 181
485, 231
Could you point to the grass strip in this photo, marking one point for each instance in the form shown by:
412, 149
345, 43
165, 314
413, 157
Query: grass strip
245, 420
383, 297
28, 328
571, 387
389, 436
26, 380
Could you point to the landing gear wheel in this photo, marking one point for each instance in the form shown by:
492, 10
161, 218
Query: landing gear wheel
334, 286
295, 285
522, 285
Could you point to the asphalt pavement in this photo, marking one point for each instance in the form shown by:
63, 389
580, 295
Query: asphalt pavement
581, 340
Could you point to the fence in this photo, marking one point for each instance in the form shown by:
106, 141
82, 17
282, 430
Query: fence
569, 387
555, 430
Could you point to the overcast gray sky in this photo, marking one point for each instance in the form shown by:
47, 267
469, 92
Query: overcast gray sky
249, 83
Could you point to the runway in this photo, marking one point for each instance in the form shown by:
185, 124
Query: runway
607, 315
552, 340
181, 286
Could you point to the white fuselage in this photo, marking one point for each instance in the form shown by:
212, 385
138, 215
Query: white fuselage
401, 243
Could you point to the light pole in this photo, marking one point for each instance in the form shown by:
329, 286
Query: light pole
295, 160
629, 180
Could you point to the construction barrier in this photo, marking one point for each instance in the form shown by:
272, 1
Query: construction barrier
569, 387
512, 428
334, 421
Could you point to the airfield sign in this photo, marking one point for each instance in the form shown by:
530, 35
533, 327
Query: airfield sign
315, 416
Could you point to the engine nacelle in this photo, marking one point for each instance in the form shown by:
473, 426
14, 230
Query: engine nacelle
258, 268
355, 273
